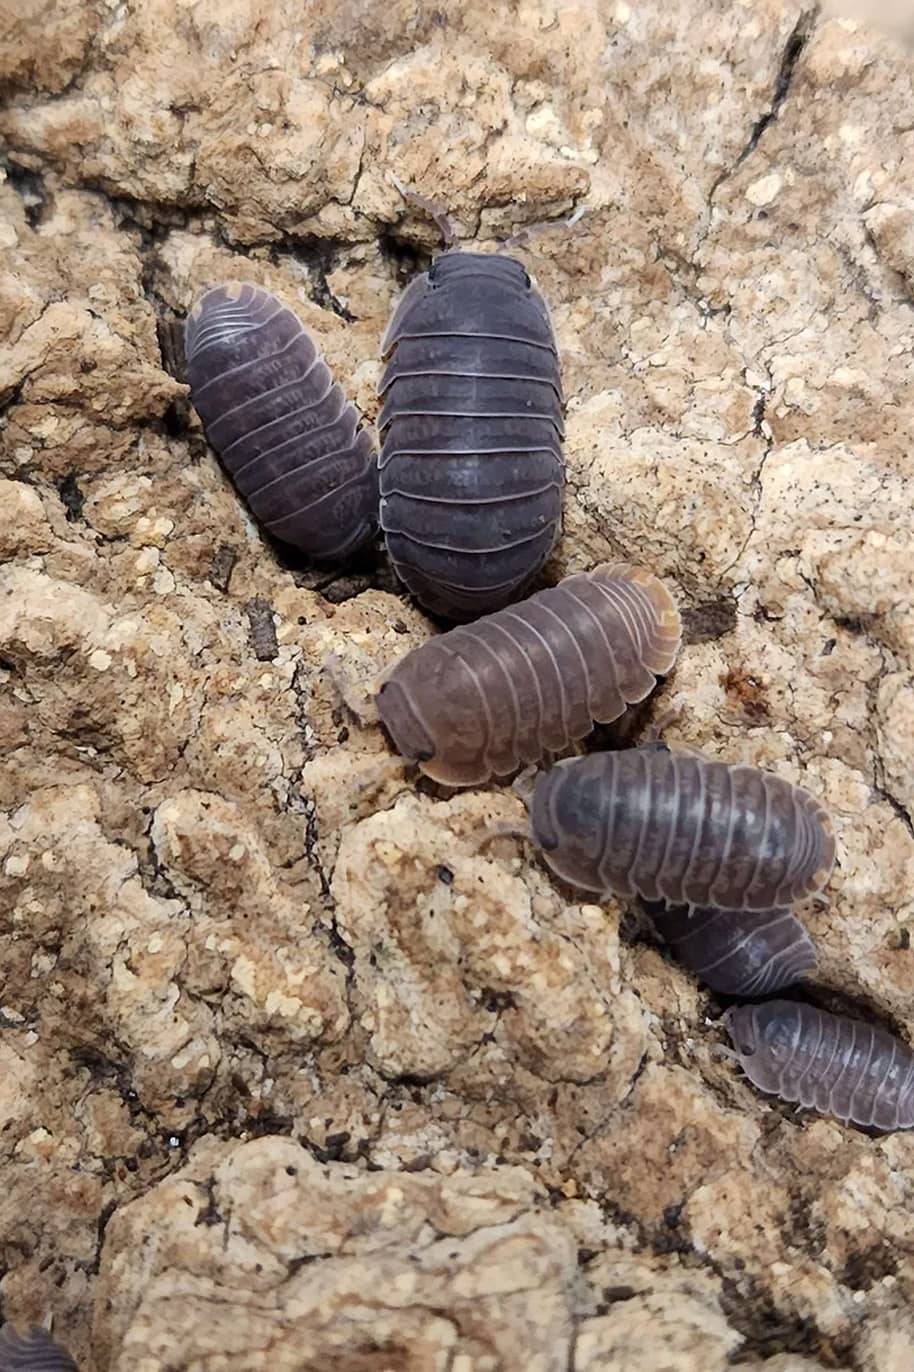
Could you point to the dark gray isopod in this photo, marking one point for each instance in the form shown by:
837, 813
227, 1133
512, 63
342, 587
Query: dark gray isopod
286, 434
681, 828
739, 952
830, 1063
32, 1352
471, 468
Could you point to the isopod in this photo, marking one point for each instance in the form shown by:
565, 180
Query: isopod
484, 698
681, 828
32, 1352
282, 426
830, 1063
471, 468
739, 952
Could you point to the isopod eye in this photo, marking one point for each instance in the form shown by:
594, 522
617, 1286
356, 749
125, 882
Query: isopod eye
423, 755
746, 1050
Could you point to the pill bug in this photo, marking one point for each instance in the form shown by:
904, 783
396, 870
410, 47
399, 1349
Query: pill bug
285, 432
32, 1352
830, 1063
681, 828
533, 678
738, 952
471, 469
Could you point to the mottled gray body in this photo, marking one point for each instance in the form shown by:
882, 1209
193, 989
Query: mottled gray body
739, 952
681, 828
285, 432
482, 699
32, 1352
830, 1063
471, 463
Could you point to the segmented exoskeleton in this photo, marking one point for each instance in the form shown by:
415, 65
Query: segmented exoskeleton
32, 1352
830, 1063
738, 952
533, 678
681, 828
286, 434
471, 468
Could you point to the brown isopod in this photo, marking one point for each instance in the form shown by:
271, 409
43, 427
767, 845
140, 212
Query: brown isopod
485, 698
830, 1063
681, 828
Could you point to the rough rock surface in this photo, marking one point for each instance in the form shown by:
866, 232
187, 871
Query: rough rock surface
294, 1074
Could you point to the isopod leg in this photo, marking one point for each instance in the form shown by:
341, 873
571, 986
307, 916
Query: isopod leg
529, 230
505, 828
658, 726
432, 208
524, 782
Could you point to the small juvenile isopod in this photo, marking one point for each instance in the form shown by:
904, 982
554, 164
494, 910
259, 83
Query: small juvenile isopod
681, 828
32, 1352
283, 428
471, 467
830, 1063
484, 698
739, 952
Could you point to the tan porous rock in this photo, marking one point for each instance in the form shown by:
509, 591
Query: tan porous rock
295, 1070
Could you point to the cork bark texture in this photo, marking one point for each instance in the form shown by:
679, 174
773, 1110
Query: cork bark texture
293, 1074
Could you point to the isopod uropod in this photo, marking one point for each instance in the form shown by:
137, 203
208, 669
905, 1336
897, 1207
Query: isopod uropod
831, 1063
739, 952
471, 468
681, 828
484, 698
286, 434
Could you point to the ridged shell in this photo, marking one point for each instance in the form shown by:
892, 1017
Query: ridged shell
683, 829
739, 952
471, 468
484, 698
32, 1352
286, 434
830, 1063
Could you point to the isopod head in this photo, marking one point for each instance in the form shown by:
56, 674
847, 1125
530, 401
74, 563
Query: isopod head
418, 739
764, 1039
405, 724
